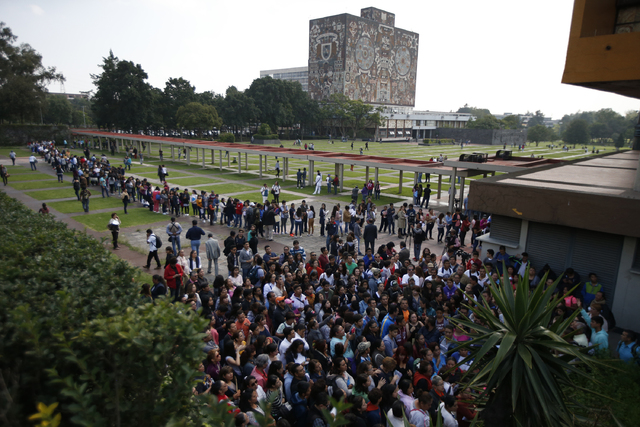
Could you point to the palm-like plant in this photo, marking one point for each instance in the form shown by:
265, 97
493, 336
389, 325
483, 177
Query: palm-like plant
522, 364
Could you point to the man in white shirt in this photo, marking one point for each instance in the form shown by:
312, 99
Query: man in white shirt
446, 270
32, 162
299, 301
318, 183
410, 275
418, 415
473, 271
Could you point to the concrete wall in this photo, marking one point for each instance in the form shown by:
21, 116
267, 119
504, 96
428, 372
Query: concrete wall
625, 303
483, 136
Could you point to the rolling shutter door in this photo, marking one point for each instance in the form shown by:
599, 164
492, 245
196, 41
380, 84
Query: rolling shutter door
598, 253
506, 229
548, 244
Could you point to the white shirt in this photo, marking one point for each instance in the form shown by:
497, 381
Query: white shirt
406, 277
445, 272
299, 302
318, 179
418, 417
448, 420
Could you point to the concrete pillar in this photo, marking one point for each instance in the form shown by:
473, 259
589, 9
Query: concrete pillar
213, 157
452, 189
173, 152
228, 159
260, 164
439, 186
118, 145
415, 178
266, 168
246, 161
462, 193
203, 159
484, 175
400, 183
220, 159
239, 162
342, 177
189, 157
493, 173
366, 174
149, 149
312, 178
375, 175
285, 162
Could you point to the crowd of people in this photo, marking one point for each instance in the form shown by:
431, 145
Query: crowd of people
295, 328
374, 329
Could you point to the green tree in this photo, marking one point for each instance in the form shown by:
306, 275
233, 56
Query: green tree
577, 133
512, 122
486, 122
537, 119
58, 110
524, 363
238, 110
478, 112
195, 116
270, 98
363, 115
177, 93
23, 79
123, 99
619, 141
539, 133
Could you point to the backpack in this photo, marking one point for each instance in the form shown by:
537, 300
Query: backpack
253, 274
174, 228
158, 242
158, 196
332, 384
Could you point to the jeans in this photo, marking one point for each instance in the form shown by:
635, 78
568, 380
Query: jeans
369, 244
329, 188
176, 243
125, 206
283, 225
237, 220
335, 189
114, 235
298, 228
215, 263
416, 249
195, 246
293, 223
440, 233
322, 227
77, 194
85, 205
358, 245
60, 177
392, 226
105, 191
33, 166
328, 240
425, 202
430, 229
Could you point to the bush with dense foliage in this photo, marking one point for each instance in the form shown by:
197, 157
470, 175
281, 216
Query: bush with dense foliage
226, 137
74, 331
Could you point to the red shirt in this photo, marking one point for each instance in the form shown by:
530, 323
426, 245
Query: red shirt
239, 208
169, 272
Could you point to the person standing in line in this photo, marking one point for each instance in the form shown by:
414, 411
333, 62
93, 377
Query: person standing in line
318, 183
329, 183
310, 217
265, 193
370, 234
275, 189
426, 195
12, 155
114, 226
84, 199
304, 178
32, 162
213, 253
299, 179
277, 168
153, 250
194, 234
125, 200
174, 229
5, 174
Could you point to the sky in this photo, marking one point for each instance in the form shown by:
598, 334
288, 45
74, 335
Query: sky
507, 56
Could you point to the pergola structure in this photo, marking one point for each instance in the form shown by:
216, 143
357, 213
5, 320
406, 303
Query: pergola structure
339, 160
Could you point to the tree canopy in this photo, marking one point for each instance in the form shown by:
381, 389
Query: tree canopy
577, 133
23, 79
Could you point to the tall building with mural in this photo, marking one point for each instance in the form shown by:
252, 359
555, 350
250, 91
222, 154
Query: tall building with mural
365, 58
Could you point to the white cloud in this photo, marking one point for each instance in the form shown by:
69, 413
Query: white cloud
37, 10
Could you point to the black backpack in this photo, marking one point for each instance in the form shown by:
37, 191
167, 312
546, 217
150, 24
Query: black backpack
158, 242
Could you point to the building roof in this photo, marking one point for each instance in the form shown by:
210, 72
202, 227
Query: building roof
594, 194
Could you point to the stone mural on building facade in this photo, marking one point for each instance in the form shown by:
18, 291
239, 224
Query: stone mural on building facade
365, 59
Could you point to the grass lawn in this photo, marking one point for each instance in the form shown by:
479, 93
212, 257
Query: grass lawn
51, 194
141, 169
171, 174
29, 177
95, 203
19, 169
136, 216
33, 185
185, 182
20, 151
235, 176
285, 195
233, 189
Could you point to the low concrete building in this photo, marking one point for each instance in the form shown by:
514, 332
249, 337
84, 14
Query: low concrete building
582, 215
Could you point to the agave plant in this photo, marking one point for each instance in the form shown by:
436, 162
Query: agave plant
522, 364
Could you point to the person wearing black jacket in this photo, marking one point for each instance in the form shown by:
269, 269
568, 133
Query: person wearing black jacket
194, 234
370, 235
159, 286
232, 260
269, 220
229, 242
419, 236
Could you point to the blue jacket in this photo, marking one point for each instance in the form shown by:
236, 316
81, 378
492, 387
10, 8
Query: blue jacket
299, 409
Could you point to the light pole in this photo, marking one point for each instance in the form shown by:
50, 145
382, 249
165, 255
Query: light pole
84, 118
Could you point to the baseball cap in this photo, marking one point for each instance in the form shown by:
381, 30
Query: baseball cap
278, 299
363, 346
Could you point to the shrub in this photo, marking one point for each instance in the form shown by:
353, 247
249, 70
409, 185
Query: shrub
264, 129
438, 140
227, 137
75, 332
